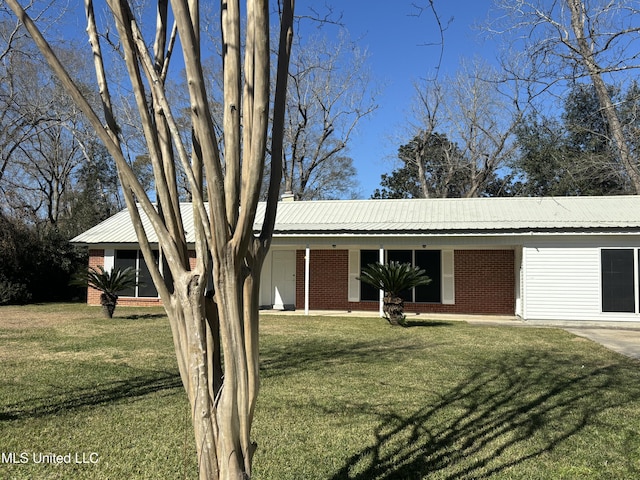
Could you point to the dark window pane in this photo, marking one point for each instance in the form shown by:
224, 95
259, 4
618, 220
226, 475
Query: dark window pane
125, 259
146, 288
402, 256
166, 273
617, 281
429, 261
367, 292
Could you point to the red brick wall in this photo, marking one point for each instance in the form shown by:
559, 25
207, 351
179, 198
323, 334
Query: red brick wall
96, 259
484, 283
139, 302
328, 288
192, 259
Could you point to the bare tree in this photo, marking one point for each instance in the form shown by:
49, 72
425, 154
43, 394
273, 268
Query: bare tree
207, 326
478, 116
21, 106
41, 173
568, 40
329, 94
484, 113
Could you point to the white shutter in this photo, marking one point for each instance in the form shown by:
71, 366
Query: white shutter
354, 273
448, 282
109, 259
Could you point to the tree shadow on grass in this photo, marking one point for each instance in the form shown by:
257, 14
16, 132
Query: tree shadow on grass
315, 354
504, 414
143, 316
95, 395
426, 323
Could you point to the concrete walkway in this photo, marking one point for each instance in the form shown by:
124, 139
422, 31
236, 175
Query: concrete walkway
621, 337
624, 341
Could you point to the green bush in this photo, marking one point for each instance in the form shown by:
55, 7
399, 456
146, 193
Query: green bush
394, 278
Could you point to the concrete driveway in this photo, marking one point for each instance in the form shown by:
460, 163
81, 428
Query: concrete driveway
621, 337
624, 341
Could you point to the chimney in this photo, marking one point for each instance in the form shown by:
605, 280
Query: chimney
288, 196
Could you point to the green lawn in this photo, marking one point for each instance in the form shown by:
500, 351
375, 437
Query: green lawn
342, 398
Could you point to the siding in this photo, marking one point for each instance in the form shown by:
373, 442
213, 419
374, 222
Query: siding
562, 283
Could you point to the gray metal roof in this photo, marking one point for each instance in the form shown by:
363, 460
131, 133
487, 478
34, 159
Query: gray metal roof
415, 216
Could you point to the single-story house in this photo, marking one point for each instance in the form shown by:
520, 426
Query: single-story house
564, 258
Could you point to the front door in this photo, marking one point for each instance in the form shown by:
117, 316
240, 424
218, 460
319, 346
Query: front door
283, 279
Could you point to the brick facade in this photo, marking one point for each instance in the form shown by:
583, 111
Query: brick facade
484, 283
328, 288
96, 259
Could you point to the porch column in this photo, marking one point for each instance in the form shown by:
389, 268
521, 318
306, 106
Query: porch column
380, 301
307, 260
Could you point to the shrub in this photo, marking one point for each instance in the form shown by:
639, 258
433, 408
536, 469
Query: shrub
393, 278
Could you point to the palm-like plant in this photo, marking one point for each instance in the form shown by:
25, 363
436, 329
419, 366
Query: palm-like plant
109, 283
393, 278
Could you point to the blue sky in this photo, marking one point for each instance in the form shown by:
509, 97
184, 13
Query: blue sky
399, 56
398, 44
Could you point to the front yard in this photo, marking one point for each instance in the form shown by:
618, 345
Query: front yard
82, 397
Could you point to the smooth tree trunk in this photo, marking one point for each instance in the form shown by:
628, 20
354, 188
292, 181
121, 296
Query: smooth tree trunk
212, 301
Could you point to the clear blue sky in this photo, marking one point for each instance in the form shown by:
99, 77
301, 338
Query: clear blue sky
399, 56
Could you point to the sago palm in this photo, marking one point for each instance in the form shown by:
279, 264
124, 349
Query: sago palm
393, 278
110, 283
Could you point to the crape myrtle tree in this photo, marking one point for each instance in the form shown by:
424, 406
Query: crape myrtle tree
215, 330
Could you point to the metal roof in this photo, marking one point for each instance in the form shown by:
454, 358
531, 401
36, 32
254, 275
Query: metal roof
416, 216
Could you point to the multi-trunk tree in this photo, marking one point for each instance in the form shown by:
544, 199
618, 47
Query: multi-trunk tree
212, 304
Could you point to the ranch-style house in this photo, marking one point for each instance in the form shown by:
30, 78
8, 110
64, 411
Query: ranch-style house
561, 258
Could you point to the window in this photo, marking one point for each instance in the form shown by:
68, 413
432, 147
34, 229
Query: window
618, 269
428, 260
134, 259
368, 292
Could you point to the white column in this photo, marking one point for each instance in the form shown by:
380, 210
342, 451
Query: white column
307, 260
381, 302
636, 271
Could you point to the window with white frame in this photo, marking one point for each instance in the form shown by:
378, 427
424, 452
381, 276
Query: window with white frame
428, 260
144, 284
619, 271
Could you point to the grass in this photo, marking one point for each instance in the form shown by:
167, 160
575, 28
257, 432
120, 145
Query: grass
341, 398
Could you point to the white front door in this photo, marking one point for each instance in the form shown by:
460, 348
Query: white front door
283, 279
